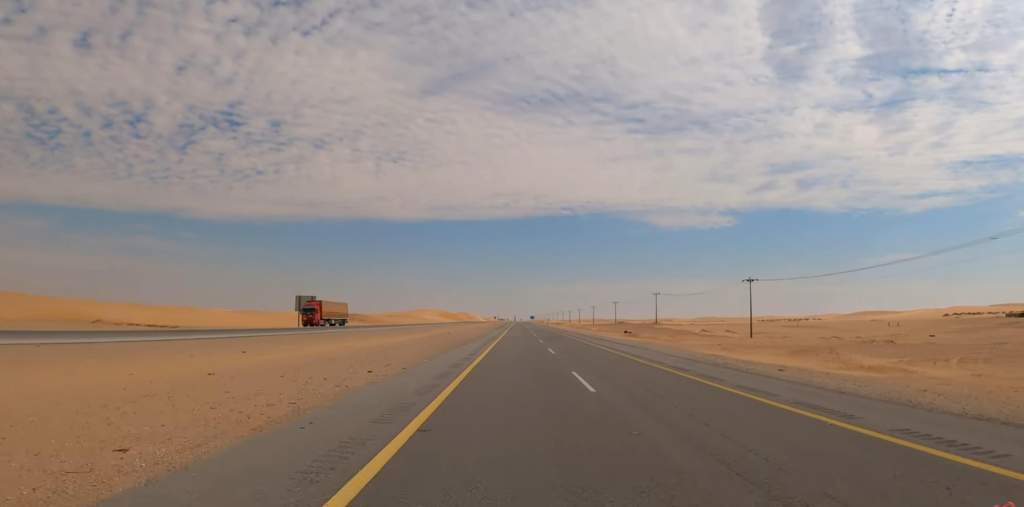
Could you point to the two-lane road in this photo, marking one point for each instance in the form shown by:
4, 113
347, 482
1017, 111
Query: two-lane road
548, 420
544, 417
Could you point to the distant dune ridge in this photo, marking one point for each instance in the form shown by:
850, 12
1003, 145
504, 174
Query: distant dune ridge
918, 313
27, 311
421, 315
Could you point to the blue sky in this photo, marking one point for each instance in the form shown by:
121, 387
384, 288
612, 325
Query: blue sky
510, 156
515, 266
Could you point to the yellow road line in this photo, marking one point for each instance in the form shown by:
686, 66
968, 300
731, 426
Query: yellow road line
351, 489
998, 470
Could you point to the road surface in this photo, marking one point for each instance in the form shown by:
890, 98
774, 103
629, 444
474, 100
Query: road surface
543, 416
149, 335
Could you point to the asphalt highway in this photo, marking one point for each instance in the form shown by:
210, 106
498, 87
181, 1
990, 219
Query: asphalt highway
544, 417
149, 335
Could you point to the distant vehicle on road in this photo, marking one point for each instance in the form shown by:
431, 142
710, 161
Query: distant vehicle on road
318, 313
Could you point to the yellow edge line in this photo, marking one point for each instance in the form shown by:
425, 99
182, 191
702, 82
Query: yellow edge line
1005, 472
355, 485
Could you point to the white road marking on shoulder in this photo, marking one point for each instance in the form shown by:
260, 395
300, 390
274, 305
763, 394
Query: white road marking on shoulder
551, 351
584, 382
538, 339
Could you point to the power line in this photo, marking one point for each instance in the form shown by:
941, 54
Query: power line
750, 280
700, 292
961, 246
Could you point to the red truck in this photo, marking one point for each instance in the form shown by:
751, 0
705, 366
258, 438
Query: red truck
317, 312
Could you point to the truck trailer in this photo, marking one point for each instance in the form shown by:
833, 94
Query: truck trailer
318, 313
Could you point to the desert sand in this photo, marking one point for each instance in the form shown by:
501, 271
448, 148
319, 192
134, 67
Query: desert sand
84, 421
421, 316
965, 360
31, 312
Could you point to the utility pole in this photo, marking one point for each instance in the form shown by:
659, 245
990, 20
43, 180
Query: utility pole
750, 293
615, 318
579, 315
593, 316
656, 294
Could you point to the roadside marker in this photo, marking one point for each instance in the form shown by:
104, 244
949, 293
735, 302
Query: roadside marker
973, 463
355, 485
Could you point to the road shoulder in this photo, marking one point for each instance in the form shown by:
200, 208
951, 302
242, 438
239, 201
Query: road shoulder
988, 441
304, 462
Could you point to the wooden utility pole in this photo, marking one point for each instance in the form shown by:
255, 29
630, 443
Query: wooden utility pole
615, 318
656, 294
593, 316
750, 295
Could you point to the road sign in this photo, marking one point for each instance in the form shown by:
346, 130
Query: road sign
301, 300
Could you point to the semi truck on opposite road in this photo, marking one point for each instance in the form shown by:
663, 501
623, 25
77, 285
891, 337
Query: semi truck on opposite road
317, 312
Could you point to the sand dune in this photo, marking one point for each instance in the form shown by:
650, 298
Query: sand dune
928, 313
918, 313
26, 311
427, 315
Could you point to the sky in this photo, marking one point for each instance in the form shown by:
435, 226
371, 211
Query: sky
511, 157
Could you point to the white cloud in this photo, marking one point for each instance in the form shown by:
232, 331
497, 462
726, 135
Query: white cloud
682, 219
676, 113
